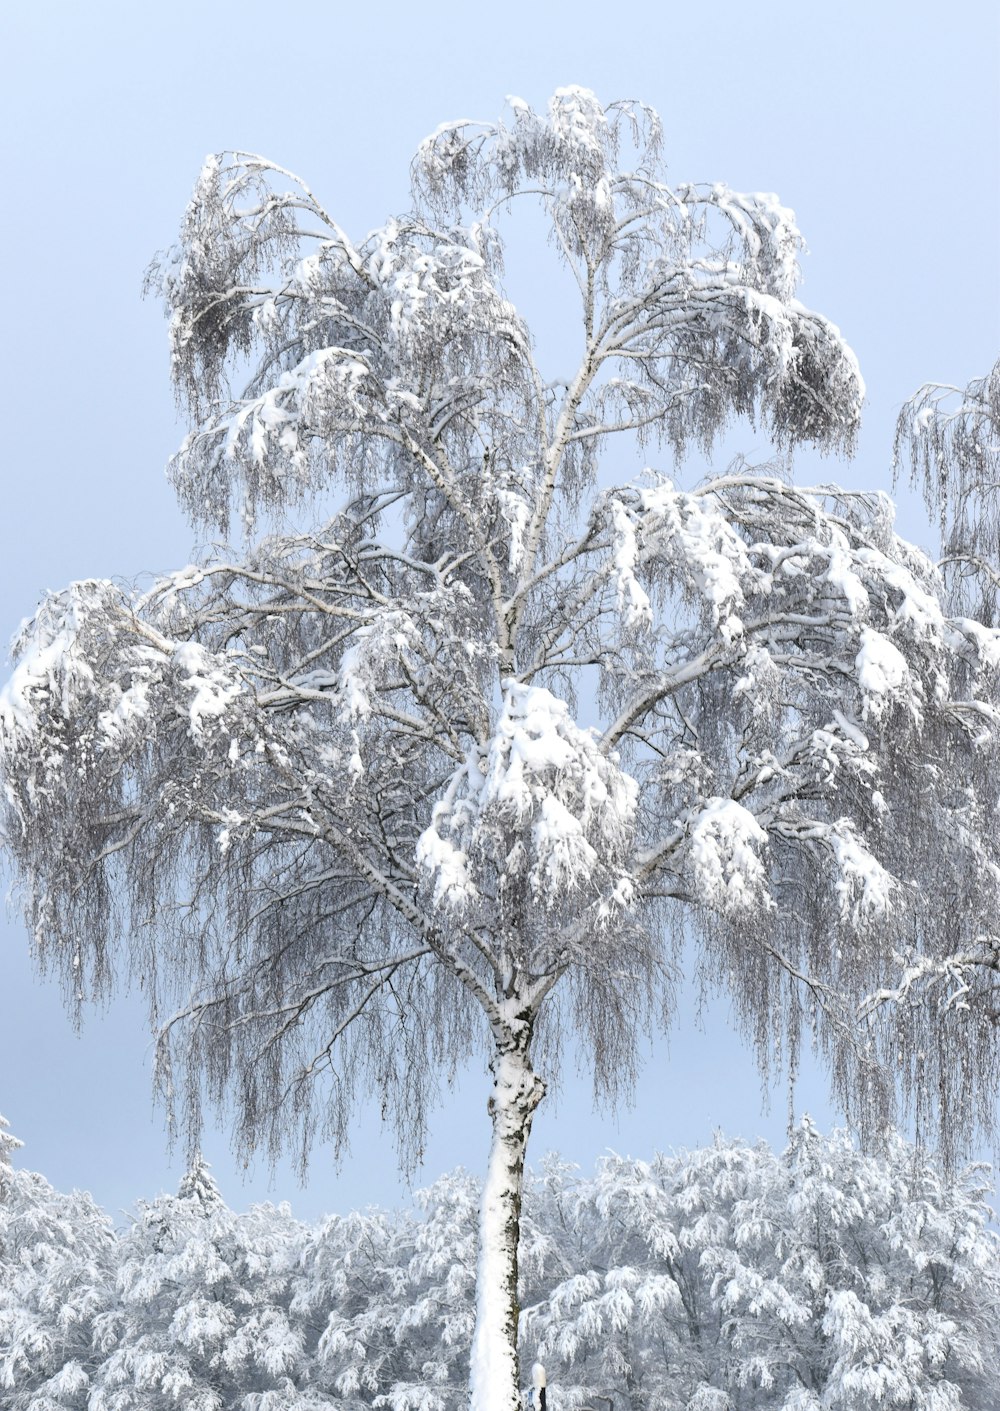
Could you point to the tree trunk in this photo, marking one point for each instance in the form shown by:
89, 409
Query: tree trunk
517, 1091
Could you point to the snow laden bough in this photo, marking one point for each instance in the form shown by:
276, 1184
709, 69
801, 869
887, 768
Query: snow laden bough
451, 771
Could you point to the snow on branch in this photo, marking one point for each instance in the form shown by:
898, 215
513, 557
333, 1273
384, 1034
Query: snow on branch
542, 803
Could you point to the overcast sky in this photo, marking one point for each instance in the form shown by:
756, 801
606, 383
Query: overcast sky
879, 123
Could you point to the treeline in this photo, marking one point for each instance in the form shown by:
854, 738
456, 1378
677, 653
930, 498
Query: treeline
722, 1279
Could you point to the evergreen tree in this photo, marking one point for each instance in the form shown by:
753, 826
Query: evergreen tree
57, 1272
201, 1316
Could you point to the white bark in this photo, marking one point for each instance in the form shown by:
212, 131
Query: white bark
517, 1091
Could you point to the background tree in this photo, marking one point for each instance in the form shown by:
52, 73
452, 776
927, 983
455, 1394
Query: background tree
200, 1315
734, 1278
57, 1277
391, 1299
946, 1000
730, 1278
950, 436
333, 789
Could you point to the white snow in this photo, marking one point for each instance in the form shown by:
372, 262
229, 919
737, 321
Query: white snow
883, 675
50, 660
724, 845
539, 773
841, 576
864, 888
214, 683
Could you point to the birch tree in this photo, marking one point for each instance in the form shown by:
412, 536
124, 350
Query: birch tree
950, 438
480, 715
945, 1000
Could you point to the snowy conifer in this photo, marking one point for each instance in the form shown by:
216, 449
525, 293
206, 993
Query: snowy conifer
8, 1142
201, 1314
727, 1277
390, 1299
199, 1184
734, 1278
57, 1266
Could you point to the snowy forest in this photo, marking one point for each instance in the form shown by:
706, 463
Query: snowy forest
725, 1279
474, 733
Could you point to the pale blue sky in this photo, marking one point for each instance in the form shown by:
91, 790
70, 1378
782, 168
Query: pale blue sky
879, 123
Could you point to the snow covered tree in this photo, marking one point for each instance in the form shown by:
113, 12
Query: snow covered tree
350, 1294
725, 1279
389, 1299
200, 1314
450, 771
951, 438
736, 1279
946, 1000
57, 1272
